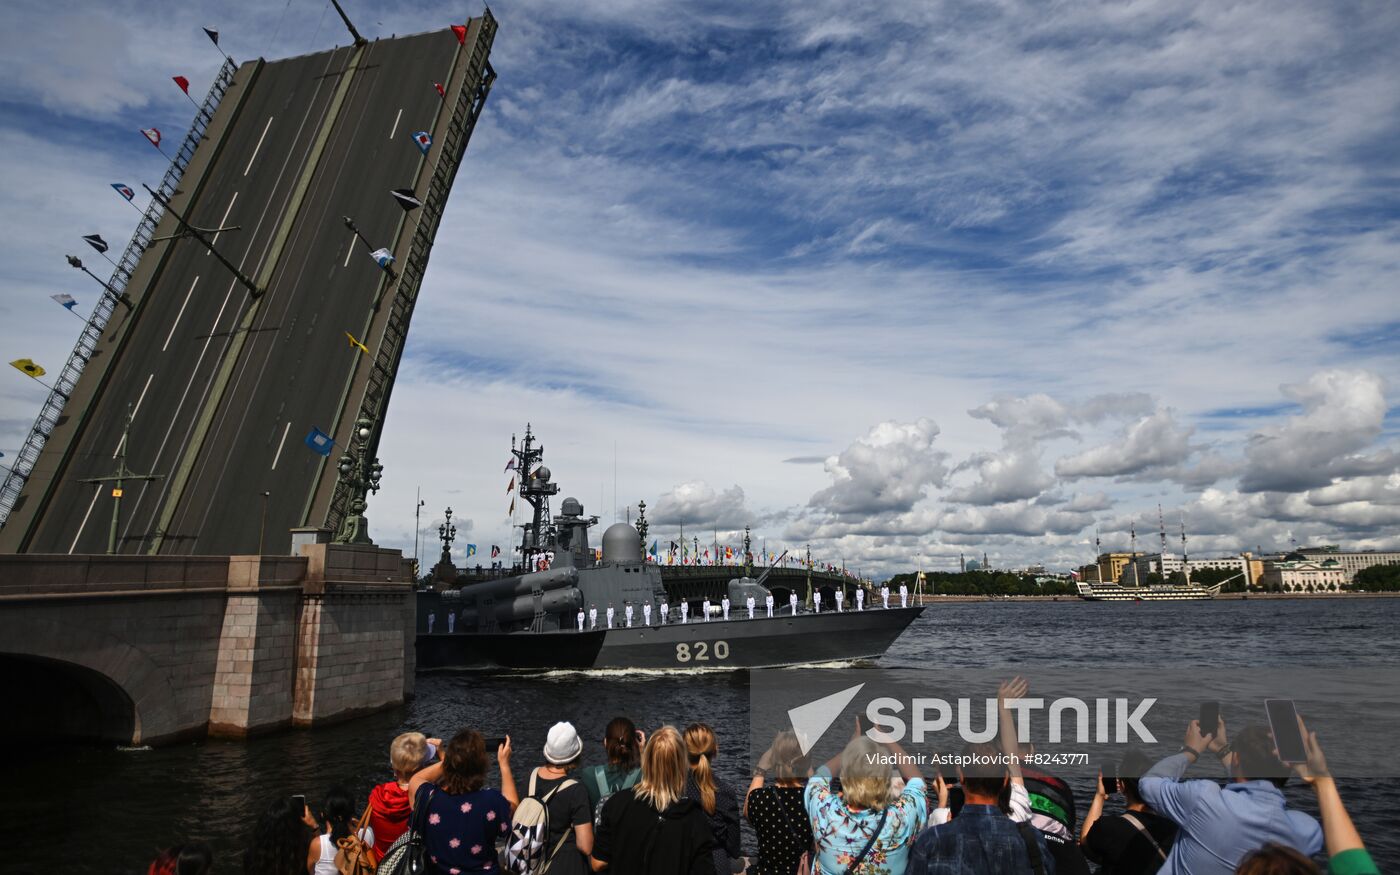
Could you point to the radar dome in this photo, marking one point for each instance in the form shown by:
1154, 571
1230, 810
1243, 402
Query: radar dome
621, 543
542, 474
571, 507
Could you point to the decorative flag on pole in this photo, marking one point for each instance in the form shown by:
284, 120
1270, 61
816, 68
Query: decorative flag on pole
124, 190
213, 35
511, 487
152, 134
68, 301
653, 549
424, 141
461, 32
495, 551
510, 466
511, 512
471, 549
382, 258
354, 342
28, 368
406, 198
96, 242
438, 87
319, 442
183, 83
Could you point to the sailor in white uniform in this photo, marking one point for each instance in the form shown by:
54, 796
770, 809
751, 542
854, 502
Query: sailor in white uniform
685, 612
451, 622
903, 596
860, 600
724, 606
665, 609
627, 613
432, 618
611, 613
592, 617
885, 595
705, 606
580, 620
840, 600
817, 600
646, 613
750, 604
768, 603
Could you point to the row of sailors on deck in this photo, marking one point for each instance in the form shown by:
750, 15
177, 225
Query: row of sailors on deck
591, 617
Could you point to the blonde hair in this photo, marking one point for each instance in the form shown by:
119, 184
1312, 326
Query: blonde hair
406, 753
789, 762
701, 747
865, 780
663, 769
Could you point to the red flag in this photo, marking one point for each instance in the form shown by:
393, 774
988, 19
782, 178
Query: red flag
441, 93
152, 134
183, 83
461, 31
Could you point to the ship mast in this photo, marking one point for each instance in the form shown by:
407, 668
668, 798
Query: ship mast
536, 488
1185, 565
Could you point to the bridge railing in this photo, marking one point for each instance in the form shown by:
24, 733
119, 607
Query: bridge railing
67, 379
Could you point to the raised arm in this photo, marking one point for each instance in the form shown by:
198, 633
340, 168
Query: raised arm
1016, 688
1162, 787
1096, 807
507, 779
1337, 829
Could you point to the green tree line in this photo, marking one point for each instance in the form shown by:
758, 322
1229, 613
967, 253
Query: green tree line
1378, 578
983, 583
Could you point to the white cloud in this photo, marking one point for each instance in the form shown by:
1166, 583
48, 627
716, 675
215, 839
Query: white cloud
1343, 411
1153, 442
698, 504
890, 469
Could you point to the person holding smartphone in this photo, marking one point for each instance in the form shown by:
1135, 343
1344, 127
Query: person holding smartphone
1135, 842
1219, 826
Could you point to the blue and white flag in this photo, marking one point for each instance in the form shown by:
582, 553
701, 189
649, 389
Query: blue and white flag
319, 442
124, 190
471, 549
68, 301
424, 141
382, 257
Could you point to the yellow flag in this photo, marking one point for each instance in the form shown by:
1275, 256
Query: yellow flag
28, 367
354, 342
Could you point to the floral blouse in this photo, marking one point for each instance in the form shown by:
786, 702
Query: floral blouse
841, 833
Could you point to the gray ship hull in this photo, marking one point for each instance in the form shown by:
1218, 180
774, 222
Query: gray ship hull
717, 644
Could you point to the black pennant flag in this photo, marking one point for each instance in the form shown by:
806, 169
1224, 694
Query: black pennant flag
406, 198
96, 242
213, 35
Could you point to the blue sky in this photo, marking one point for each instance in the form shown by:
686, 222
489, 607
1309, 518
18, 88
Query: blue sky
927, 279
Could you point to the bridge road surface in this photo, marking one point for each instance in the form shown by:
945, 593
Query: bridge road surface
166, 365
295, 370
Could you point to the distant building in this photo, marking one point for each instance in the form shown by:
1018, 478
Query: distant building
1089, 574
1305, 575
1111, 565
1350, 561
973, 565
1167, 564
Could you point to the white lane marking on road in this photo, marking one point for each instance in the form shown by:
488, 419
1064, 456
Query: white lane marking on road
258, 146
349, 250
215, 238
280, 444
96, 492
178, 315
134, 410
395, 128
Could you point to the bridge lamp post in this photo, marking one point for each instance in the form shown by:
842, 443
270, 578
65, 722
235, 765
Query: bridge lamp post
120, 296
360, 473
262, 529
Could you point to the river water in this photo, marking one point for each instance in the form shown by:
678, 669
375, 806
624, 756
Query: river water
105, 810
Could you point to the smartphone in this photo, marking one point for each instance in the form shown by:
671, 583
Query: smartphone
1283, 722
494, 744
1110, 778
1210, 717
299, 803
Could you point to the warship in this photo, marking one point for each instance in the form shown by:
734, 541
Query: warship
567, 607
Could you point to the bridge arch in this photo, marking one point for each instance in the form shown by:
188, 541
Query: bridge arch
82, 683
66, 700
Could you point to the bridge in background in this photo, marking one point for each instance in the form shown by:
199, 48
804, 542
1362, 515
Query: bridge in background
233, 347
